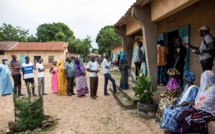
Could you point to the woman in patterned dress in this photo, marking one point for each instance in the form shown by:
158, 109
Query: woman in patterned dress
81, 81
123, 67
173, 92
171, 113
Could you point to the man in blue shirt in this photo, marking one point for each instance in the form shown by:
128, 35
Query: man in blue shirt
28, 75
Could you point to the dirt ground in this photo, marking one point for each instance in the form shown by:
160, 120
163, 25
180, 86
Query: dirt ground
84, 115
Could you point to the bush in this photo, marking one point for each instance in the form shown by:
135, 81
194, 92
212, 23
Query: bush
28, 115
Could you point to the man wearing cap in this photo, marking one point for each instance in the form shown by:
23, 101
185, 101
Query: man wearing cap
206, 47
5, 83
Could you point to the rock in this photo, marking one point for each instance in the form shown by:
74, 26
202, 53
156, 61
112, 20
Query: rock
11, 125
8, 131
22, 133
51, 120
44, 122
39, 129
28, 132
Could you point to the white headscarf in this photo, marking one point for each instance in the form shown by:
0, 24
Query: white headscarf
205, 99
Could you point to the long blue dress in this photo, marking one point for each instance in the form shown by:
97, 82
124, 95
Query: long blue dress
5, 82
170, 116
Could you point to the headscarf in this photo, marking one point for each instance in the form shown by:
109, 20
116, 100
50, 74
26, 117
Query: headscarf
189, 76
205, 99
79, 69
122, 54
59, 63
173, 72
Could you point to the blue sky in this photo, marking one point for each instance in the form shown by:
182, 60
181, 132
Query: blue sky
84, 17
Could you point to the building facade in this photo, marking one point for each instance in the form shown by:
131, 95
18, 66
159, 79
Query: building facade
48, 51
156, 20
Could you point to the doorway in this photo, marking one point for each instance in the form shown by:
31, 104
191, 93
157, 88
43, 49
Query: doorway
170, 44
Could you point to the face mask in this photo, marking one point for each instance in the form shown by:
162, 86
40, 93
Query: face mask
5, 62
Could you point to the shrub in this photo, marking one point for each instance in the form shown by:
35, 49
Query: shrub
28, 115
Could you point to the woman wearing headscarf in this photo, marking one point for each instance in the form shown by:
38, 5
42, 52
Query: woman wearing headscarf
53, 71
62, 85
171, 113
81, 81
123, 67
195, 118
173, 92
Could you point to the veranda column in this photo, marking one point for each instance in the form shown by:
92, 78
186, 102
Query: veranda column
127, 42
149, 30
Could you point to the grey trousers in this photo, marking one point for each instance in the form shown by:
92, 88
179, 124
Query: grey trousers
41, 84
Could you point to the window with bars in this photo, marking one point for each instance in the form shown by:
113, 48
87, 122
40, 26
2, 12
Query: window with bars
1, 52
51, 58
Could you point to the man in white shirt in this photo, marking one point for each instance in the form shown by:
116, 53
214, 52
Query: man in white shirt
40, 75
28, 75
206, 50
106, 72
92, 67
138, 58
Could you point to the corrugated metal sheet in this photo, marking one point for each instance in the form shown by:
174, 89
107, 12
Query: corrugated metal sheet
5, 45
42, 46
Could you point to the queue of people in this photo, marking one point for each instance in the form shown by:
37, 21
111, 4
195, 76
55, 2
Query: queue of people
63, 77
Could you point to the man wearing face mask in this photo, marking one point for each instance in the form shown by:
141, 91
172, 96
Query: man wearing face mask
5, 82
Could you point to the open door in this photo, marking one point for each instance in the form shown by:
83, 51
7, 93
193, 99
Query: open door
184, 33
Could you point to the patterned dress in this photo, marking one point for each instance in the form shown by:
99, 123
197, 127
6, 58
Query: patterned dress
170, 96
81, 81
124, 74
170, 115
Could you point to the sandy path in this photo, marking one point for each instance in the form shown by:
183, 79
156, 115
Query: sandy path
84, 115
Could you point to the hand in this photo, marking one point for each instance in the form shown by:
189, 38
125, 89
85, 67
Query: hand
191, 103
173, 107
186, 45
196, 52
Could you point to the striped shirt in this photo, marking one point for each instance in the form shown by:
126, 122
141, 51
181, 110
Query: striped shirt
27, 70
13, 64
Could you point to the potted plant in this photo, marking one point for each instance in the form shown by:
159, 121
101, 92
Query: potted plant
144, 92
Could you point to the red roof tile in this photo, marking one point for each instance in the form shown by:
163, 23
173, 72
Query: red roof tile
42, 46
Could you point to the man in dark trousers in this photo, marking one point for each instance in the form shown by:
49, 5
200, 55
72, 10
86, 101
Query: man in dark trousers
179, 58
16, 75
70, 75
92, 67
207, 47
138, 58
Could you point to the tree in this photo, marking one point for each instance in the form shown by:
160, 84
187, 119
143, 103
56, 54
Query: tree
54, 32
94, 50
105, 38
81, 46
10, 33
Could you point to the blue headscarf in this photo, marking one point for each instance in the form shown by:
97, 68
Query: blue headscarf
122, 54
189, 76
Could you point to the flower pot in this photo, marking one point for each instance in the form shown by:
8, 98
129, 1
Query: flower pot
146, 110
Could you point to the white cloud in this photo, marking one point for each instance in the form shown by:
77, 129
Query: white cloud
84, 17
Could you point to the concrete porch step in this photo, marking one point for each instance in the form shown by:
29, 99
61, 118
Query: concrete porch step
123, 99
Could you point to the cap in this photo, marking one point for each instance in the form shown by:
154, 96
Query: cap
205, 28
4, 58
